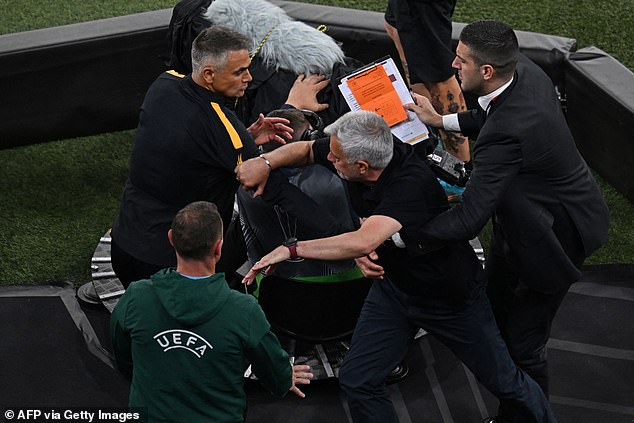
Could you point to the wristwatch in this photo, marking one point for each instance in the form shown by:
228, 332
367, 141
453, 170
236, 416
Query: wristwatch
291, 244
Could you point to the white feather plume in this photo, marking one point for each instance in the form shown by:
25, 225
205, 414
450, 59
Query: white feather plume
291, 45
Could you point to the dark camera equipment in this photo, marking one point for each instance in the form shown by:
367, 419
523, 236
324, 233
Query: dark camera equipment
446, 166
317, 126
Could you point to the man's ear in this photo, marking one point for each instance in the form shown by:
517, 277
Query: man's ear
487, 72
218, 248
363, 166
169, 236
208, 74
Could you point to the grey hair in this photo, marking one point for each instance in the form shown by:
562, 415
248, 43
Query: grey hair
212, 46
363, 136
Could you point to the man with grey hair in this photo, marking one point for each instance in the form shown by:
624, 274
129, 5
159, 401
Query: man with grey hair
443, 291
186, 148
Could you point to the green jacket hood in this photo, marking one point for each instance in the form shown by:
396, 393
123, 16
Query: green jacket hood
190, 301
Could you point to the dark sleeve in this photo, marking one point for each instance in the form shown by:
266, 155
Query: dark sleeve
496, 163
411, 202
269, 361
120, 334
321, 148
223, 149
470, 122
311, 216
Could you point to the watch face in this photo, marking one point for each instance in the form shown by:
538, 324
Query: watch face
290, 241
291, 244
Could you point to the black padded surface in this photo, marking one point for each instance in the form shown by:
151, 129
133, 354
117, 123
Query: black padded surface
45, 362
591, 354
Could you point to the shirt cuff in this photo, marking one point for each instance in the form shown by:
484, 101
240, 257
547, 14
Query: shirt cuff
450, 122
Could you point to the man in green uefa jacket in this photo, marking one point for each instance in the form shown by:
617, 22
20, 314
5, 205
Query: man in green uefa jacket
184, 335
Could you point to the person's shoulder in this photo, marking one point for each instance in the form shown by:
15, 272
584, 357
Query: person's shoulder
166, 82
408, 164
133, 297
244, 309
240, 300
138, 289
172, 75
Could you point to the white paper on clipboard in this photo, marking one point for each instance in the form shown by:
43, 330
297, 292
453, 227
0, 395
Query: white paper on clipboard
412, 130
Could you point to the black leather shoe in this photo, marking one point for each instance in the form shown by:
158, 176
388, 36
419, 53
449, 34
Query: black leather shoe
398, 374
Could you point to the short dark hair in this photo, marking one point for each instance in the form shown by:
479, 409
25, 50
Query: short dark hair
492, 43
212, 46
195, 229
296, 120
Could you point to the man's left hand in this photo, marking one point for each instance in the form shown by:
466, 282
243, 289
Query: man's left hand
303, 93
368, 267
267, 129
301, 376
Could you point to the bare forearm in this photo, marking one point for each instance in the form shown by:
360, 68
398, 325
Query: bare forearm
359, 243
339, 247
294, 154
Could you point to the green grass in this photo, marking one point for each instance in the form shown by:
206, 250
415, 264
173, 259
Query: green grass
607, 24
26, 15
57, 199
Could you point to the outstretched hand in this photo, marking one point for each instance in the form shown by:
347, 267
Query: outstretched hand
301, 376
303, 93
266, 263
267, 129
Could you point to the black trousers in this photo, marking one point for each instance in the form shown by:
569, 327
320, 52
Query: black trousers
128, 268
385, 330
525, 315
424, 27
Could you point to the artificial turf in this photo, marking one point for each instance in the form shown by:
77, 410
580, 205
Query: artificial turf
58, 198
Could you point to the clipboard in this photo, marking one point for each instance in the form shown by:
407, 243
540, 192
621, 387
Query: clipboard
380, 88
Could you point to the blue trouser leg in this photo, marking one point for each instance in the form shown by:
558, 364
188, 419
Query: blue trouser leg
379, 343
472, 334
383, 333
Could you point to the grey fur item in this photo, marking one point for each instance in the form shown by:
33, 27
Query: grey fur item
292, 45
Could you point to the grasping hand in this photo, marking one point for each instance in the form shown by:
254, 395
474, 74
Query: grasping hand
425, 111
303, 93
267, 129
368, 267
253, 174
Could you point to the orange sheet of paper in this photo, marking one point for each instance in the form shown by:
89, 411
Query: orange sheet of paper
374, 92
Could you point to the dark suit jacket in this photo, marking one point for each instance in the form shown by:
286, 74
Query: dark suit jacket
528, 174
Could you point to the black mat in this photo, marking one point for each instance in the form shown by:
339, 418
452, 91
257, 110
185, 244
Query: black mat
46, 360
